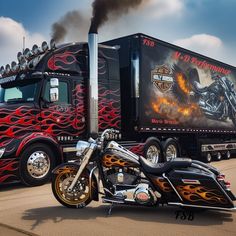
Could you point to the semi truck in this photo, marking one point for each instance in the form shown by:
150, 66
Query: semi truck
166, 101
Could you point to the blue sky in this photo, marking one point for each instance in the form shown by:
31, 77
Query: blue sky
205, 26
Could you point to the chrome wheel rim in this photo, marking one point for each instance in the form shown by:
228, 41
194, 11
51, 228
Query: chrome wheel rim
218, 156
153, 154
171, 152
38, 164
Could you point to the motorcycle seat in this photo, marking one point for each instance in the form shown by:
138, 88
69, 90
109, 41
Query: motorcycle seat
160, 168
199, 87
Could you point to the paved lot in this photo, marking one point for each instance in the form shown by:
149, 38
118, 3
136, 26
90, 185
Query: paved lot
34, 211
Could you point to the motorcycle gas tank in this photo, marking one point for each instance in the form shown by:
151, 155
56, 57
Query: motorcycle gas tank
117, 156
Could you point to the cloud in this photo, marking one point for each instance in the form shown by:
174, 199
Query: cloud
11, 39
160, 9
206, 44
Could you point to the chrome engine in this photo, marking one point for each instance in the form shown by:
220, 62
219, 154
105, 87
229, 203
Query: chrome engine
141, 194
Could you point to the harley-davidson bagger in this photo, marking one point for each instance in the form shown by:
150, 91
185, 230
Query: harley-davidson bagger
130, 179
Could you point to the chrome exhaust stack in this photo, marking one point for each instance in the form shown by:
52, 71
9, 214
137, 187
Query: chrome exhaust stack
93, 83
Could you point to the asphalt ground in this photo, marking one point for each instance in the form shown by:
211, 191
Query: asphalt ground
34, 211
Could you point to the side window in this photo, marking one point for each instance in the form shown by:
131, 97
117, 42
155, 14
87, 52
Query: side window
63, 92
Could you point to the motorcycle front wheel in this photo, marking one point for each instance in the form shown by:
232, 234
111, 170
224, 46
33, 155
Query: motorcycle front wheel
79, 197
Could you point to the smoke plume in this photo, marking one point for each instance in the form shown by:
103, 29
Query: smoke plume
102, 8
72, 20
75, 25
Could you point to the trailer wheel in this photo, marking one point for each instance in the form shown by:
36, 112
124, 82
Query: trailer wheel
207, 157
227, 155
218, 156
36, 164
153, 151
170, 149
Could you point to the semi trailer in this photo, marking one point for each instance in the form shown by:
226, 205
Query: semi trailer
166, 101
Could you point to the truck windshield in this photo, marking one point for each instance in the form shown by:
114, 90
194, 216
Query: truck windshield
21, 91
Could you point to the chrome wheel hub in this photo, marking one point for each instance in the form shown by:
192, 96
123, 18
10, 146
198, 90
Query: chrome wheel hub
153, 154
38, 164
171, 152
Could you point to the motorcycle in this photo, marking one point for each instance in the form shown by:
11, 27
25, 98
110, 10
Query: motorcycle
131, 179
217, 101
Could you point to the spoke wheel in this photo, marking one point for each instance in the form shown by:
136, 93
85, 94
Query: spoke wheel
79, 197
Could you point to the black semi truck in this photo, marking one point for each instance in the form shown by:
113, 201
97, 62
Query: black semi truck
165, 100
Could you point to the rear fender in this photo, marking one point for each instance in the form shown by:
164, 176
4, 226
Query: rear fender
93, 182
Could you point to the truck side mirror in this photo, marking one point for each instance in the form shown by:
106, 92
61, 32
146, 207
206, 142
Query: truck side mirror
54, 94
54, 91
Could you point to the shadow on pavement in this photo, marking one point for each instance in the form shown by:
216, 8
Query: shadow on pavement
145, 214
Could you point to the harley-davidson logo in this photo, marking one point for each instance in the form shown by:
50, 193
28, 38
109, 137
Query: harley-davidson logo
162, 78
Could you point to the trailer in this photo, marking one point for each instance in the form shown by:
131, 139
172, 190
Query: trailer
165, 100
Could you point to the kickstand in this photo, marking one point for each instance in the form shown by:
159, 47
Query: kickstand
110, 209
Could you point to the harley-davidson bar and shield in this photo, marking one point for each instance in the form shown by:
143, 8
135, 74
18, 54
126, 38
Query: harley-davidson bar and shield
127, 178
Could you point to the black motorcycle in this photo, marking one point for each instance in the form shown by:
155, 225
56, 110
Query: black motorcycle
130, 179
218, 100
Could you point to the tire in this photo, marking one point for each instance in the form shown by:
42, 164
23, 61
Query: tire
61, 182
227, 155
218, 156
153, 151
33, 156
207, 157
170, 149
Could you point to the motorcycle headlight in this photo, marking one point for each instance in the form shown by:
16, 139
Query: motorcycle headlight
81, 147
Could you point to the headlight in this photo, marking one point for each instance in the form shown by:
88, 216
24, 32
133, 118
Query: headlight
2, 150
81, 147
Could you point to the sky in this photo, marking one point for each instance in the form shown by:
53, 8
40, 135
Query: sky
203, 26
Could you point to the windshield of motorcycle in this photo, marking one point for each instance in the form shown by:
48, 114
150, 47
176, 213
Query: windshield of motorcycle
20, 91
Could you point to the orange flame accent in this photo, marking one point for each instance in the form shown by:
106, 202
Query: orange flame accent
182, 83
162, 184
111, 160
166, 107
200, 193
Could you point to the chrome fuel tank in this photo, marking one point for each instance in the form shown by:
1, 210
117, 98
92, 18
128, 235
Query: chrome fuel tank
118, 156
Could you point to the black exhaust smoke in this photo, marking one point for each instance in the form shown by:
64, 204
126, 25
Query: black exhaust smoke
102, 8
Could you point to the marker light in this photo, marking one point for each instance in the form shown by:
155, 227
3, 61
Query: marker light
52, 44
14, 66
7, 69
27, 53
35, 50
2, 70
20, 56
44, 46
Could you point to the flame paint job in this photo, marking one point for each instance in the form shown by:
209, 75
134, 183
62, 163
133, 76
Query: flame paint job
109, 160
8, 170
137, 149
109, 108
162, 184
201, 194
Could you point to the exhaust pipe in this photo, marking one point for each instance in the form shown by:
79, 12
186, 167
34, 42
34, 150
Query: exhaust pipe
93, 83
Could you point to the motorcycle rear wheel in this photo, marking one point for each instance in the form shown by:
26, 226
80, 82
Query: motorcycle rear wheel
80, 196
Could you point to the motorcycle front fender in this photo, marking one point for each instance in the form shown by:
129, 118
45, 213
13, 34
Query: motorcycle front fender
93, 182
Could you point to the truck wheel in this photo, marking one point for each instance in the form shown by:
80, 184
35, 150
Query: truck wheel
153, 151
170, 149
207, 157
36, 164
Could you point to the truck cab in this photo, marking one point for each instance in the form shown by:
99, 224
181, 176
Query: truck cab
43, 108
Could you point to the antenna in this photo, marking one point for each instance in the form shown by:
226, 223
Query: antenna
23, 44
